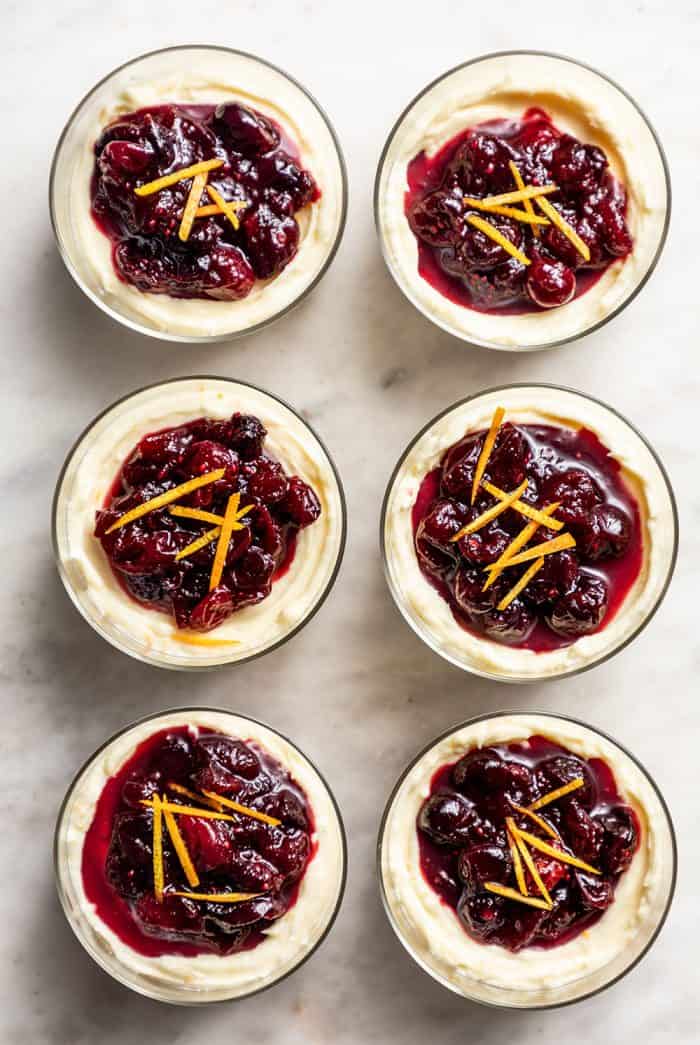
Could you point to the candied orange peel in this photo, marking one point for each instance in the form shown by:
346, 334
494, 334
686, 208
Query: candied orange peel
539, 820
228, 207
196, 513
518, 587
540, 516
219, 897
190, 211
181, 849
558, 792
527, 204
517, 863
557, 544
497, 236
180, 789
528, 861
200, 542
194, 639
556, 854
230, 523
487, 449
530, 192
491, 513
564, 227
158, 873
513, 894
525, 535
183, 810
172, 179
168, 497
507, 212
228, 803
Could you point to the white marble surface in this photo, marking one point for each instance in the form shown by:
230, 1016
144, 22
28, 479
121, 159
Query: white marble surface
356, 688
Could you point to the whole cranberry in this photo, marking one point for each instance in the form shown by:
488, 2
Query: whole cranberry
207, 456
301, 503
132, 834
576, 492
550, 283
127, 156
247, 435
440, 525
141, 788
279, 171
247, 131
606, 533
174, 914
284, 805
450, 819
250, 871
288, 849
483, 863
458, 468
209, 842
434, 218
229, 275
561, 247
581, 610
621, 839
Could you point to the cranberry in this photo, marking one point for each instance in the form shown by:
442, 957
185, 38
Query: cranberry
450, 819
550, 283
564, 250
284, 805
433, 561
268, 482
272, 241
209, 842
483, 771
482, 913
132, 835
577, 168
280, 172
207, 456
301, 503
458, 468
247, 436
582, 609
175, 915
621, 839
576, 492
606, 533
254, 570
233, 756
141, 788
213, 609
288, 849
442, 523
247, 131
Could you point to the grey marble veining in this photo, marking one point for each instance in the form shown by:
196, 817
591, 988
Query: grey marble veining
356, 688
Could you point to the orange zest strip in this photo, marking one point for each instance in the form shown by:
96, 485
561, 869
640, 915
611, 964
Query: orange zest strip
558, 544
224, 538
556, 854
507, 212
564, 227
197, 513
486, 450
188, 214
522, 583
168, 497
491, 513
526, 534
552, 796
513, 894
186, 793
520, 184
539, 820
529, 862
158, 874
517, 864
219, 897
208, 210
493, 233
201, 542
181, 849
173, 807
172, 179
228, 803
537, 515
202, 640
229, 207
531, 192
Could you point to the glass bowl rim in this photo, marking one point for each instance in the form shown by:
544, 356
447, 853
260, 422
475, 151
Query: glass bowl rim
59, 822
225, 664
197, 339
399, 602
544, 714
590, 329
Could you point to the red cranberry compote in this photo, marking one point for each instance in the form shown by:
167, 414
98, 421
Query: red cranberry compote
238, 855
142, 553
468, 267
463, 840
260, 166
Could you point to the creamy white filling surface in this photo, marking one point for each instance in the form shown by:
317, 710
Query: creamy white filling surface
581, 103
534, 976
202, 77
93, 468
430, 614
205, 977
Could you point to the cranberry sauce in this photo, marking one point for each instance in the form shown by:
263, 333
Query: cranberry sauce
463, 841
238, 855
578, 590
142, 553
260, 166
468, 267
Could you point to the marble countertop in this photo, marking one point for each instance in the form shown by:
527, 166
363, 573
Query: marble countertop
356, 688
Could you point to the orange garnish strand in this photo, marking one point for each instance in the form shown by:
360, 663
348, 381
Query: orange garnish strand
518, 587
558, 544
559, 792
173, 807
219, 897
517, 864
231, 522
188, 214
202, 640
208, 210
527, 204
556, 854
531, 192
486, 450
491, 513
185, 791
525, 535
507, 212
168, 497
529, 862
493, 233
539, 820
172, 179
228, 207
201, 542
158, 875
228, 803
513, 894
181, 849
564, 227
537, 515
197, 513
